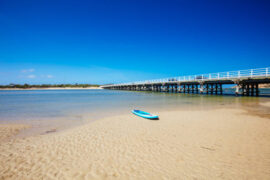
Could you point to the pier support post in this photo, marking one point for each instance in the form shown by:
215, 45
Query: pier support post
257, 89
220, 89
159, 88
249, 89
175, 88
248, 86
167, 88
252, 89
178, 86
243, 89
201, 88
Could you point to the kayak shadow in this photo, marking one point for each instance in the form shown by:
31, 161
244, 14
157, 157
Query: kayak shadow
154, 119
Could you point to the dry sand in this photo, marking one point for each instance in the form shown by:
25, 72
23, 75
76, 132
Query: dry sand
216, 144
266, 104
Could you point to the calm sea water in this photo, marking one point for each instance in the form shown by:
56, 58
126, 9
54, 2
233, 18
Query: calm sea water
60, 109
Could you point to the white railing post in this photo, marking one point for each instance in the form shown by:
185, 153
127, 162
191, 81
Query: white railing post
251, 73
239, 74
218, 75
266, 71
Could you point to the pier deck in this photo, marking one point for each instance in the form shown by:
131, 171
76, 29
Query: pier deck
246, 82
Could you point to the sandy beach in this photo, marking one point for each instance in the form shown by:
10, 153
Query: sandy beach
212, 144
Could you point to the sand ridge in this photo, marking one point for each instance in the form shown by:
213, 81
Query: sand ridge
214, 144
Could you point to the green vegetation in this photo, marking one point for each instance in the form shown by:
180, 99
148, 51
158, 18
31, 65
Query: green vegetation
27, 86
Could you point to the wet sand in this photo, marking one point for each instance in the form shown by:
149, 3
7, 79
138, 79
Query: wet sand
8, 131
209, 144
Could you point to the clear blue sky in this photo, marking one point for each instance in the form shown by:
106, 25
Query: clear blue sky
44, 41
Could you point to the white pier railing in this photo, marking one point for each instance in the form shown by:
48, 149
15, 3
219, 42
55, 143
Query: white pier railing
230, 75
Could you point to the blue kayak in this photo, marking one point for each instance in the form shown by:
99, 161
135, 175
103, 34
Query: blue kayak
144, 114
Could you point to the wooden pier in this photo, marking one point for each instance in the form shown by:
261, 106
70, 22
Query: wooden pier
246, 83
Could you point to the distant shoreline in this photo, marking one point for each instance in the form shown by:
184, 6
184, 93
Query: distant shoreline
51, 88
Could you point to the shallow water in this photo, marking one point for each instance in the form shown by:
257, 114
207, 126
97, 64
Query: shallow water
61, 109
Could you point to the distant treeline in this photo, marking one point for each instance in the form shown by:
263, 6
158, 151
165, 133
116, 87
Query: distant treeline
26, 86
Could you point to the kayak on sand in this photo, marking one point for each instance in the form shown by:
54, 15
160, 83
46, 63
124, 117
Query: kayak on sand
144, 114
